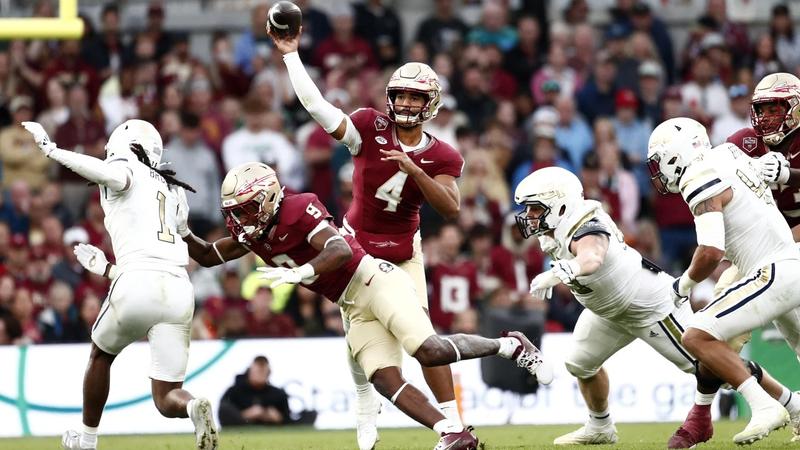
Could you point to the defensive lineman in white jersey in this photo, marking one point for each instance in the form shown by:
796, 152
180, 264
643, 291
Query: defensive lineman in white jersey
626, 297
736, 218
151, 294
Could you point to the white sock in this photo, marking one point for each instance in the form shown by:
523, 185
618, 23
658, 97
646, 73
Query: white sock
754, 394
507, 346
790, 401
89, 437
599, 419
703, 399
447, 426
450, 411
189, 405
363, 389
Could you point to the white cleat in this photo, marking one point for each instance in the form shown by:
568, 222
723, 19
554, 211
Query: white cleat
71, 440
586, 435
795, 419
530, 358
367, 409
762, 423
205, 430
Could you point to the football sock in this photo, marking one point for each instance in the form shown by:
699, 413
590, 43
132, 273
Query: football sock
447, 426
755, 395
507, 346
599, 419
189, 405
359, 377
790, 401
701, 399
89, 437
450, 411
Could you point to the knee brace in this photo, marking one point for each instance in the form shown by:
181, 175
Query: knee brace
755, 370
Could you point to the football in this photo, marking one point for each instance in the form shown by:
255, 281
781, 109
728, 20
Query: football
284, 19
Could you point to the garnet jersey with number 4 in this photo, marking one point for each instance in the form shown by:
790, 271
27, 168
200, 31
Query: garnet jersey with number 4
287, 243
454, 287
386, 203
787, 198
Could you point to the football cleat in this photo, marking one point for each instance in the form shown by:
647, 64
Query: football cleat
205, 430
695, 429
762, 423
528, 357
462, 440
587, 435
795, 419
71, 440
367, 409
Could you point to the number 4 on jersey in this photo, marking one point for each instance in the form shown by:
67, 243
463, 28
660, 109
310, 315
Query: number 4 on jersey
391, 190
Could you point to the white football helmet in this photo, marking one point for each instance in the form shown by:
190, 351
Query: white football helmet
140, 132
420, 79
672, 146
780, 93
557, 191
251, 196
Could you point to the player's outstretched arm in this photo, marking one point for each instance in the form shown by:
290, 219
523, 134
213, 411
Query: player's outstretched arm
332, 119
334, 251
710, 228
209, 254
116, 176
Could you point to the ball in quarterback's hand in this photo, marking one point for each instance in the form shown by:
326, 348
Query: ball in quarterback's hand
284, 19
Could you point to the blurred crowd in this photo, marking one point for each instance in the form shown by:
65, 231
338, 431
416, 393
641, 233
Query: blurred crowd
521, 92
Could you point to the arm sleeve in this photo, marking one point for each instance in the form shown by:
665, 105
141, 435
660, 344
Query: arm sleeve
700, 183
116, 173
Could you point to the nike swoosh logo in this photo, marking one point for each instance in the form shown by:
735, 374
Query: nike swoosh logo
423, 161
369, 281
792, 155
283, 238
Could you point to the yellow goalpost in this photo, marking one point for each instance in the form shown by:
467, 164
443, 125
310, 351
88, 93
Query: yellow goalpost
66, 26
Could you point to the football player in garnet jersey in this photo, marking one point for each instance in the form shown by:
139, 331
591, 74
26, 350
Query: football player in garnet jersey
397, 168
294, 235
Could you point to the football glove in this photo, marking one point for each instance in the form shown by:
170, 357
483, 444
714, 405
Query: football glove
182, 218
284, 275
774, 168
40, 136
565, 270
542, 284
681, 288
94, 260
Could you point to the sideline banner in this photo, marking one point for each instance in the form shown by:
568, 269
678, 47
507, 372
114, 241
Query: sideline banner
40, 386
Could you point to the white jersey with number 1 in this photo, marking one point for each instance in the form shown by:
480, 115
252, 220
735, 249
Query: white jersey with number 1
141, 220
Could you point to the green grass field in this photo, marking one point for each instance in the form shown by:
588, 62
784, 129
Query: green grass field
632, 436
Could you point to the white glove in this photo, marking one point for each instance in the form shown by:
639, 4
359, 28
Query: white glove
542, 284
40, 136
565, 270
681, 288
548, 244
284, 275
774, 168
182, 218
94, 260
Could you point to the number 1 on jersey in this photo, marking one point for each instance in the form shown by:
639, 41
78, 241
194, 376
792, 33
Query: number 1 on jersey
164, 234
391, 190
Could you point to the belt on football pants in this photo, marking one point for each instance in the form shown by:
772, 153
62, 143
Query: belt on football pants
651, 266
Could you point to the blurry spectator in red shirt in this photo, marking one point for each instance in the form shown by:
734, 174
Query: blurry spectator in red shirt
70, 69
224, 71
52, 231
18, 258
453, 280
89, 310
515, 261
24, 311
343, 51
502, 85
263, 322
595, 189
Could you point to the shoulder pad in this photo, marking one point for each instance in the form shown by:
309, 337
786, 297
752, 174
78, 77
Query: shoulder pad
593, 226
